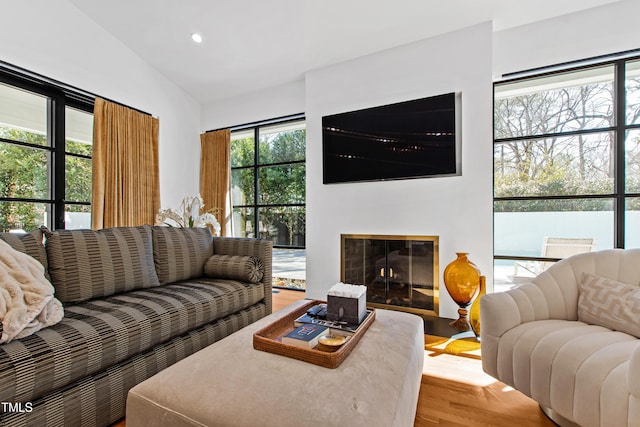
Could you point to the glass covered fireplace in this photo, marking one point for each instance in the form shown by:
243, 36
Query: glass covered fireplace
399, 271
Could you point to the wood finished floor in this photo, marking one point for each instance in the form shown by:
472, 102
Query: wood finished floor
455, 391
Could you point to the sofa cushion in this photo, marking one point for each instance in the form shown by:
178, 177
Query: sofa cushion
609, 303
30, 244
95, 335
86, 264
180, 253
244, 268
84, 402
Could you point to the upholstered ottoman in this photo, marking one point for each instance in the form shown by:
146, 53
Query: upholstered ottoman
231, 384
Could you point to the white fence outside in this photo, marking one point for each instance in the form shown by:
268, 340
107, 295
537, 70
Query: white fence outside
522, 234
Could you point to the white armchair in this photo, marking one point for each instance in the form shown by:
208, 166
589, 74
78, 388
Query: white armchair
580, 374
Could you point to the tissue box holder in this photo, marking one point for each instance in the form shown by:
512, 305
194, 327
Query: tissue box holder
343, 309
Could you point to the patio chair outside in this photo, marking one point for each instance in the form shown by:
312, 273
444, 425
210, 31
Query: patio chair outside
553, 247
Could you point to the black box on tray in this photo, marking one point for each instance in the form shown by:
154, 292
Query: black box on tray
347, 309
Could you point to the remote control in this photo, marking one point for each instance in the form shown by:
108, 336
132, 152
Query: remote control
322, 314
313, 311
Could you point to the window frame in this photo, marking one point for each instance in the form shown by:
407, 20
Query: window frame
58, 98
87, 109
256, 166
620, 130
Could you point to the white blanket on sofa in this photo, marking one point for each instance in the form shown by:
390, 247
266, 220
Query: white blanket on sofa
27, 303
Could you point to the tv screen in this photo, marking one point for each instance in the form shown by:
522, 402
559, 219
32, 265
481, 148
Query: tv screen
411, 139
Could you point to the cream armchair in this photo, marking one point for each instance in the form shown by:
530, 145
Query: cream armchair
579, 373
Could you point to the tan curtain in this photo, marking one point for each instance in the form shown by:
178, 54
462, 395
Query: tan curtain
214, 173
126, 184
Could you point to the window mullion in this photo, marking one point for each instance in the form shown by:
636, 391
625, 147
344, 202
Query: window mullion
620, 121
256, 180
553, 135
57, 136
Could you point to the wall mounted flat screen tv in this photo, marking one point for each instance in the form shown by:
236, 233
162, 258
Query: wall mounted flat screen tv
412, 139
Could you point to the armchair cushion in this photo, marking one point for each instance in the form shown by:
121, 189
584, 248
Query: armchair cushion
609, 303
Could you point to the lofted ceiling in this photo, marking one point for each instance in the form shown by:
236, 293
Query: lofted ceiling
250, 45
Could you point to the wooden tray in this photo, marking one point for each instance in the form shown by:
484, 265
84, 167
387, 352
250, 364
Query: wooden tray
269, 339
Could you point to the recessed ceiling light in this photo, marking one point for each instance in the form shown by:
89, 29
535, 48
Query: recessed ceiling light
196, 37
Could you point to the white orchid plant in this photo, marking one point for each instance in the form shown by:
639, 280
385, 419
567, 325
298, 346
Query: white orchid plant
191, 213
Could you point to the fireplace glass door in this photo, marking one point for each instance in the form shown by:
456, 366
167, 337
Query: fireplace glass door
399, 271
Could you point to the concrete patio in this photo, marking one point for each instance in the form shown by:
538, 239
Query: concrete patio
289, 268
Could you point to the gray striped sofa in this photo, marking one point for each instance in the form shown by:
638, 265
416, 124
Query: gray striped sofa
136, 300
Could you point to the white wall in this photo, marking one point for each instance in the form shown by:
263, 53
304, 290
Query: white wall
55, 39
593, 32
267, 104
458, 209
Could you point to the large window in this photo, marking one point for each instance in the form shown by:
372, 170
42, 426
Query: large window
566, 166
45, 156
268, 192
268, 183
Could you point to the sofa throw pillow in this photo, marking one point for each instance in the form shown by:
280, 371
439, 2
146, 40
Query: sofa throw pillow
87, 264
247, 269
609, 303
31, 244
180, 253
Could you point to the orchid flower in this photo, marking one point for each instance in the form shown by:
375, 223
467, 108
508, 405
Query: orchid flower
191, 214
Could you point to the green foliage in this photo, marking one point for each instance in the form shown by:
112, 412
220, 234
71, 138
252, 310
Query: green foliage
280, 184
22, 136
24, 174
282, 147
242, 152
78, 176
78, 208
78, 148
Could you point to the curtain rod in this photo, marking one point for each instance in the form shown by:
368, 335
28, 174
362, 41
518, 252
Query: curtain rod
72, 92
261, 123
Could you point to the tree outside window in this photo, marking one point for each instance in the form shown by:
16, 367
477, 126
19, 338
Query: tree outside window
268, 188
268, 183
557, 164
29, 195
